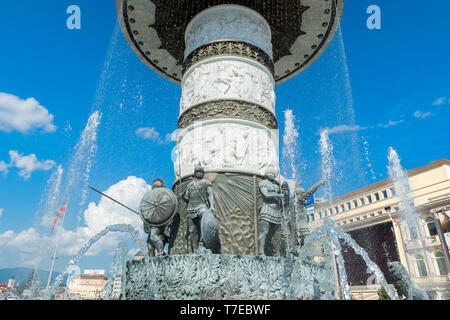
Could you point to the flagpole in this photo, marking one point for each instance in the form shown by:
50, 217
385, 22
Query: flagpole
56, 250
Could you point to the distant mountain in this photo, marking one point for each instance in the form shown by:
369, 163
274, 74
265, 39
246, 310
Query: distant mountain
21, 274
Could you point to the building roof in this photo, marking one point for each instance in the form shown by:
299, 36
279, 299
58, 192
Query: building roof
385, 182
94, 277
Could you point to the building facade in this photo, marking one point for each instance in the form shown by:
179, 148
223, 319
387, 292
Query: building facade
116, 288
87, 287
371, 215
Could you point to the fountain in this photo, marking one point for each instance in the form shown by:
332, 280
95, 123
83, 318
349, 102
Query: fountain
119, 256
113, 228
228, 59
409, 217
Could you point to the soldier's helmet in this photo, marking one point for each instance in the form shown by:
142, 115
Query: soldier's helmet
199, 168
158, 183
271, 173
298, 188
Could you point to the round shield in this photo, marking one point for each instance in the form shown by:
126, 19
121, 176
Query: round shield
210, 231
158, 206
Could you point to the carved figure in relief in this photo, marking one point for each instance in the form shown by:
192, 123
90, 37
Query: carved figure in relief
158, 206
199, 196
209, 145
271, 210
301, 217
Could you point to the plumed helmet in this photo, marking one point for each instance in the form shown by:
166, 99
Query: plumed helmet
298, 187
271, 172
199, 168
158, 183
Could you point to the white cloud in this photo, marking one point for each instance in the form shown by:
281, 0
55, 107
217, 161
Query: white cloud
23, 115
148, 133
155, 136
1, 212
422, 115
26, 164
391, 123
6, 237
441, 100
28, 243
172, 137
106, 212
4, 167
344, 128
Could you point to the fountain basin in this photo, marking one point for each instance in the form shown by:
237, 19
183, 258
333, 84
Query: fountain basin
217, 277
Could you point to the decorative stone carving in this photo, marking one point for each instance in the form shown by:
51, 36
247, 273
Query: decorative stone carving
236, 204
226, 22
228, 109
228, 48
228, 79
228, 144
303, 31
205, 277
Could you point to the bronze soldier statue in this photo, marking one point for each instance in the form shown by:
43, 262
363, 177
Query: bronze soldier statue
158, 207
200, 198
301, 217
271, 210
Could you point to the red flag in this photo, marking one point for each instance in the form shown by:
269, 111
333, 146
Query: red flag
58, 214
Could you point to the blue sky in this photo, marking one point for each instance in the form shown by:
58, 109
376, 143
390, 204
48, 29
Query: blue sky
372, 89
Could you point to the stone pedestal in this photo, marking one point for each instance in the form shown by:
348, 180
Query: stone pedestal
215, 277
228, 57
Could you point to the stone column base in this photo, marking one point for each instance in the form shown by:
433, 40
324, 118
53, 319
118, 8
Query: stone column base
237, 203
228, 277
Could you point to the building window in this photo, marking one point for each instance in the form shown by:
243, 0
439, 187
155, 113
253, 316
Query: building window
392, 192
336, 210
369, 199
365, 217
380, 213
431, 226
396, 209
372, 214
385, 194
362, 201
421, 265
355, 203
377, 196
440, 259
342, 208
349, 206
312, 217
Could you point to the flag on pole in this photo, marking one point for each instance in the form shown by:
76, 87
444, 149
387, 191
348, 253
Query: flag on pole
58, 214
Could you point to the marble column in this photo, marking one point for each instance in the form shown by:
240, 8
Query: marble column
227, 110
